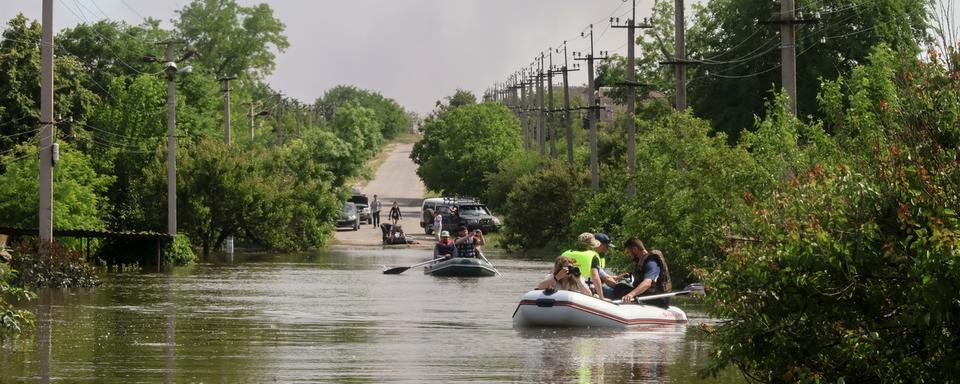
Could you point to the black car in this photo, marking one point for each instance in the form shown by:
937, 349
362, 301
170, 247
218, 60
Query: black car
457, 211
349, 217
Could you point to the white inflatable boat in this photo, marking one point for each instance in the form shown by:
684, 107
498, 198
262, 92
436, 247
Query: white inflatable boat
573, 309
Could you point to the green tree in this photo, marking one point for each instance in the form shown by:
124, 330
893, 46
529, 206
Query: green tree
847, 272
232, 39
741, 59
78, 191
462, 145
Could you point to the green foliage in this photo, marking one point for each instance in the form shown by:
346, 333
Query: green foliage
463, 144
78, 191
57, 267
849, 271
541, 205
233, 39
179, 252
739, 56
511, 169
390, 118
12, 321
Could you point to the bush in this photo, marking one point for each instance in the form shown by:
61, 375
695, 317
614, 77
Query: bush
60, 267
12, 320
850, 272
541, 205
179, 252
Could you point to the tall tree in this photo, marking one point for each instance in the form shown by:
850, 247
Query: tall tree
741, 59
231, 39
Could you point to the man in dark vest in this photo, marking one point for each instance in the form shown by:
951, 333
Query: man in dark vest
650, 273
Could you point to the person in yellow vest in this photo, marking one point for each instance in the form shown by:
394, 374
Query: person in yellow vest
586, 258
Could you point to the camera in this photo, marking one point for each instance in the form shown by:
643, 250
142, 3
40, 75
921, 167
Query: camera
573, 270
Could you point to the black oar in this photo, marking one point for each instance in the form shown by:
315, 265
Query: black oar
399, 270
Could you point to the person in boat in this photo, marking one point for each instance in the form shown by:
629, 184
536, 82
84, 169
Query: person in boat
565, 276
586, 258
609, 280
444, 248
650, 273
468, 242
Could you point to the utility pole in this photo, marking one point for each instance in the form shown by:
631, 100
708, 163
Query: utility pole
46, 149
250, 116
631, 84
522, 107
566, 103
280, 105
296, 115
541, 121
788, 52
681, 54
788, 22
551, 126
228, 136
170, 69
593, 111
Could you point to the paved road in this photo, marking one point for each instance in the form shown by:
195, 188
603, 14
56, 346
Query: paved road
395, 180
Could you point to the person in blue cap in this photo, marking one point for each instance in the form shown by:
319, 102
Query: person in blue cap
608, 281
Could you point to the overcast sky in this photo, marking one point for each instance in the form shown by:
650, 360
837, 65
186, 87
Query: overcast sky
414, 51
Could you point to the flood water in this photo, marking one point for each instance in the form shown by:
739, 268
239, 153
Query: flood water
331, 316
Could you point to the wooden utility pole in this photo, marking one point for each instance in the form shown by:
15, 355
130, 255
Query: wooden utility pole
631, 85
593, 111
680, 54
46, 149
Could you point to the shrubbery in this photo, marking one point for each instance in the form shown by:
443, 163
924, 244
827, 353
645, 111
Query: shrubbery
58, 267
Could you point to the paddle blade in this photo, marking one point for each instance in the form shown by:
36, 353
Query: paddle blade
395, 271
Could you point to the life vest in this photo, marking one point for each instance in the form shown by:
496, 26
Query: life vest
663, 283
583, 260
465, 249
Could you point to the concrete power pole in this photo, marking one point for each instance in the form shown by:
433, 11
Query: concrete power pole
593, 111
541, 121
228, 246
46, 149
170, 69
566, 104
788, 52
228, 135
631, 84
550, 125
681, 54
250, 117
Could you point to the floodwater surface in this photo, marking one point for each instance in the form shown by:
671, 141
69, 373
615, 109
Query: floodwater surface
332, 316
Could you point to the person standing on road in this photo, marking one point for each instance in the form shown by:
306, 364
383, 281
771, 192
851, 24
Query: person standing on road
375, 211
437, 224
395, 215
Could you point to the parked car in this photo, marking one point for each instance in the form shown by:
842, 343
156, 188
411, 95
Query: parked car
469, 211
363, 207
349, 217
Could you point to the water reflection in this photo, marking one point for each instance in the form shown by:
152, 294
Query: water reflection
601, 355
328, 316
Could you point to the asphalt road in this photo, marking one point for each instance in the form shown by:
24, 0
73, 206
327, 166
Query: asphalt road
395, 180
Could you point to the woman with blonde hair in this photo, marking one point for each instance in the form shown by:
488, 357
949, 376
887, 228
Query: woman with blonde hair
565, 276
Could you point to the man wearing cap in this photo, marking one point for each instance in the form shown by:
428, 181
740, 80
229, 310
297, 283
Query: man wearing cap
444, 248
609, 281
588, 260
